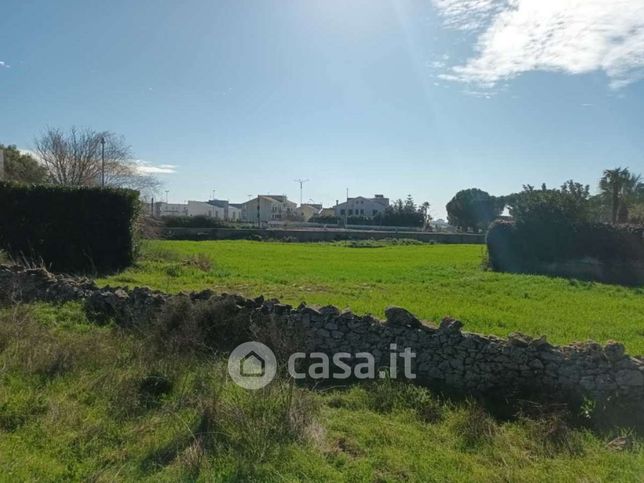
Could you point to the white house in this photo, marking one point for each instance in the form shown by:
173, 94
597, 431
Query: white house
162, 208
268, 208
306, 211
202, 208
361, 206
191, 208
234, 211
231, 211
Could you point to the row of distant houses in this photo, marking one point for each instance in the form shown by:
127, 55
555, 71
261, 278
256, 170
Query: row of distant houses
267, 208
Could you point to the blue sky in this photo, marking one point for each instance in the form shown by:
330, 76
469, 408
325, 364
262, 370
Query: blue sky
380, 96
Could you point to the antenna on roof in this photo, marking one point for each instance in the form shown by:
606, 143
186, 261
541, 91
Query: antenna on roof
301, 181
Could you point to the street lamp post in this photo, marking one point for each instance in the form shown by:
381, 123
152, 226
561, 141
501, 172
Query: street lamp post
102, 161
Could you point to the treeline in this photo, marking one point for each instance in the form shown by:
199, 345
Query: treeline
564, 231
620, 200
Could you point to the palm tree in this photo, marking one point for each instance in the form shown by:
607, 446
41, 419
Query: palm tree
632, 195
622, 189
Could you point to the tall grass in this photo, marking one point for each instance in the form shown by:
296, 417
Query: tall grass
86, 402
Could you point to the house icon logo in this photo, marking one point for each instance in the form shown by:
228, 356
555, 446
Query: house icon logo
252, 365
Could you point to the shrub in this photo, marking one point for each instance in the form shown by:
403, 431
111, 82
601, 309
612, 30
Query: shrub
200, 261
326, 220
548, 221
474, 425
518, 247
387, 395
192, 222
188, 326
69, 229
503, 247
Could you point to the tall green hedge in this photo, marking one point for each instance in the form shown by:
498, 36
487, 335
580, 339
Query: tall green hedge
74, 230
526, 248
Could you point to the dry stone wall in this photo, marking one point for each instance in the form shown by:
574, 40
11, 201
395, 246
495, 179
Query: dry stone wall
445, 354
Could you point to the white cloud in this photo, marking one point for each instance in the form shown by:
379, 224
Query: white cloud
468, 14
144, 167
4, 64
569, 36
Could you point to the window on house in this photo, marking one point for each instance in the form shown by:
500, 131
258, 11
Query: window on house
374, 212
350, 212
342, 212
362, 212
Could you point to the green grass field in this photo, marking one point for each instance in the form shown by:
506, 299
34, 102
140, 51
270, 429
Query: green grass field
432, 281
82, 402
79, 402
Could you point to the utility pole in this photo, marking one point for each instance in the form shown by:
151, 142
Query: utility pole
166, 196
102, 161
346, 211
301, 181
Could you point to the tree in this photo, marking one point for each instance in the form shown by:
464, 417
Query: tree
424, 209
473, 209
548, 220
578, 191
404, 213
621, 189
75, 159
22, 167
549, 207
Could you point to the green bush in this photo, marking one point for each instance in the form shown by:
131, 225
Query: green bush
548, 221
552, 233
327, 220
69, 229
520, 247
192, 222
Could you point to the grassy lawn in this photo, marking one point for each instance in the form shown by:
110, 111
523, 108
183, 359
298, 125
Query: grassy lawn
432, 281
81, 402
85, 402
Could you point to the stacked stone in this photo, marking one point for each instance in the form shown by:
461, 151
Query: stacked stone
444, 354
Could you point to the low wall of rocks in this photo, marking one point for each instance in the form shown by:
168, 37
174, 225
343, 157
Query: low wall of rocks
303, 235
445, 354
